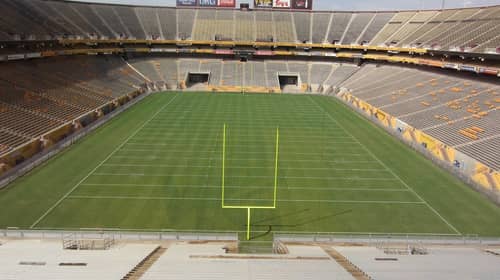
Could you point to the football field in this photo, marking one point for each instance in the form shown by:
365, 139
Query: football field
170, 161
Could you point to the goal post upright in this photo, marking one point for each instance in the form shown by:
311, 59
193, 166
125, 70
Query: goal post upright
276, 166
248, 223
223, 162
249, 208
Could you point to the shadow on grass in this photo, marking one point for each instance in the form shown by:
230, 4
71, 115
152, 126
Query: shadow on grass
267, 223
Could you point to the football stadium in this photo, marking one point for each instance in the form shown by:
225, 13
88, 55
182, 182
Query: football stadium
265, 139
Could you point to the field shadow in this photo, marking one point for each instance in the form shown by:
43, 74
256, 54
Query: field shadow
302, 222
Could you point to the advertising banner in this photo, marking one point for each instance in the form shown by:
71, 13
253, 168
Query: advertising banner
282, 4
488, 71
187, 3
264, 53
224, 52
263, 3
208, 3
227, 3
302, 4
468, 68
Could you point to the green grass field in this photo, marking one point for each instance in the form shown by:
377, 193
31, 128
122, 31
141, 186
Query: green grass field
158, 166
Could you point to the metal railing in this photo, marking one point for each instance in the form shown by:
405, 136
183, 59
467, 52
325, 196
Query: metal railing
375, 239
118, 235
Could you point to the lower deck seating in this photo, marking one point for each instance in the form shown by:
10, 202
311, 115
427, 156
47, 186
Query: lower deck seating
262, 75
458, 111
40, 95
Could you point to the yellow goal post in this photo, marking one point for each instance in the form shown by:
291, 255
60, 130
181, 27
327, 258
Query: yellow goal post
249, 207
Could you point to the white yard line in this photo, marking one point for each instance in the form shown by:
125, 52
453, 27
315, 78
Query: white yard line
263, 177
200, 152
235, 199
389, 169
157, 151
187, 142
321, 138
267, 120
249, 159
361, 189
240, 167
205, 128
100, 164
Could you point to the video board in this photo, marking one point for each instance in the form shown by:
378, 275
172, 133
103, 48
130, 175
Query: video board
284, 4
207, 3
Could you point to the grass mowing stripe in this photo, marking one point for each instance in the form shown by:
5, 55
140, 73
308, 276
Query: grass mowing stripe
240, 167
251, 187
233, 145
190, 139
251, 159
99, 165
242, 176
391, 171
236, 199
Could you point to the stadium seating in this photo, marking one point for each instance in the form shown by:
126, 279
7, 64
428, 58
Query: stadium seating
41, 95
320, 24
486, 151
244, 27
185, 23
99, 28
356, 27
224, 24
391, 28
41, 259
341, 74
109, 16
302, 22
205, 25
321, 73
301, 68
436, 263
256, 74
168, 23
282, 23
415, 23
147, 67
129, 18
413, 39
150, 22
214, 67
168, 69
338, 26
264, 25
374, 27
456, 29
457, 111
232, 75
431, 38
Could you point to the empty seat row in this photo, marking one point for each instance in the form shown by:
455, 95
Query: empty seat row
444, 29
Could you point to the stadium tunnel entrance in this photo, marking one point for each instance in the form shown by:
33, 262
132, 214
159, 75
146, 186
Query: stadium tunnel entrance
289, 82
195, 79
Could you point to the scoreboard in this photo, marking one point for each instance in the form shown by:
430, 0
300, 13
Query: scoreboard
207, 3
259, 4
284, 4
